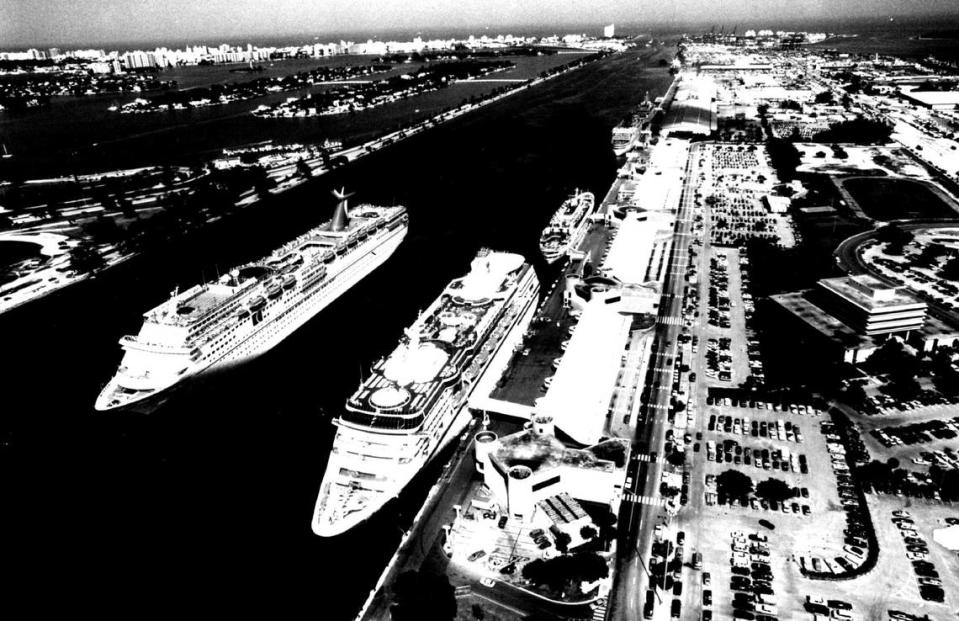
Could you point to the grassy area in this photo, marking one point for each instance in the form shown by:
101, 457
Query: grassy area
896, 199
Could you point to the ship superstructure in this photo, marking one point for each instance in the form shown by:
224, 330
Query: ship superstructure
633, 130
255, 306
566, 228
624, 136
414, 401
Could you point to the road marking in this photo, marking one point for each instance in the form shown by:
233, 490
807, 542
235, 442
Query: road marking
645, 500
647, 458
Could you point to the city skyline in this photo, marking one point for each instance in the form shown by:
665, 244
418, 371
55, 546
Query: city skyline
51, 22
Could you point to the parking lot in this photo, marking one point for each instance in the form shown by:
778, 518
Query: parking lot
722, 323
895, 430
891, 585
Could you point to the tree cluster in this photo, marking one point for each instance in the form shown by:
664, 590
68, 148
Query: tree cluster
561, 572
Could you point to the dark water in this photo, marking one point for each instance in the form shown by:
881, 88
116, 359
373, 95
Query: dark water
209, 499
12, 252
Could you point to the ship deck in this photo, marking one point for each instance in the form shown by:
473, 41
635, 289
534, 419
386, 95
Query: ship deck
435, 348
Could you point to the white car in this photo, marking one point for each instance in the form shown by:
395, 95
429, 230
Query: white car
488, 582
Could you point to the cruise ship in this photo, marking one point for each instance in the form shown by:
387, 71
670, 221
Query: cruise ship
624, 137
414, 401
630, 132
254, 306
567, 227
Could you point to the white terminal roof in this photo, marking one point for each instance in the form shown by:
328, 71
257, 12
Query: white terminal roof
933, 98
580, 393
631, 251
660, 187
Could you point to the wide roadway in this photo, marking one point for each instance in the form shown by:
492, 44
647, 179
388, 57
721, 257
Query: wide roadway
637, 520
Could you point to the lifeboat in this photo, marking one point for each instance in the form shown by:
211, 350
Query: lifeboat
289, 282
242, 313
273, 290
256, 303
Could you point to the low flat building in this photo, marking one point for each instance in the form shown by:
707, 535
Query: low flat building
525, 468
834, 338
579, 396
776, 204
937, 100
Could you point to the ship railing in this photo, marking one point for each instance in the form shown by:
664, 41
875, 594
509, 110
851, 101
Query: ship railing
137, 343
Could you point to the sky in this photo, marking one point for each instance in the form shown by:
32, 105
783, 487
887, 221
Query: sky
57, 22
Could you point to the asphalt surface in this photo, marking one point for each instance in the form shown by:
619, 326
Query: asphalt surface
637, 520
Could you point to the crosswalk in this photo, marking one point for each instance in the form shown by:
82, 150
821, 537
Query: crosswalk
671, 320
642, 499
647, 458
599, 609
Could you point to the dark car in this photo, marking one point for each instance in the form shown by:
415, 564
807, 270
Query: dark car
931, 593
707, 598
502, 521
767, 524
838, 604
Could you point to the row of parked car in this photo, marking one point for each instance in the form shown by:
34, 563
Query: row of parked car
917, 551
751, 583
778, 430
821, 607
719, 359
918, 433
880, 403
856, 532
719, 303
758, 404
753, 352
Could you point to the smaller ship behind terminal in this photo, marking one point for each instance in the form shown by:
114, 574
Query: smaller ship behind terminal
253, 307
414, 401
567, 227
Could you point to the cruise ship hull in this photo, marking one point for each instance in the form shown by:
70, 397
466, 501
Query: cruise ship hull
343, 503
260, 341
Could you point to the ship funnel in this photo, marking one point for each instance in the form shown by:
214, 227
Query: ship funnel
341, 217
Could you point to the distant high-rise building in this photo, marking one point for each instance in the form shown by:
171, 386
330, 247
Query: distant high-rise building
609, 31
139, 60
54, 52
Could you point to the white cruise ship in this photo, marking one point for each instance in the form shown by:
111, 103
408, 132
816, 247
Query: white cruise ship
414, 402
624, 137
567, 227
255, 306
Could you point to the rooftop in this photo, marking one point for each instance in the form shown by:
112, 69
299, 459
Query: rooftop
579, 395
870, 294
819, 319
540, 452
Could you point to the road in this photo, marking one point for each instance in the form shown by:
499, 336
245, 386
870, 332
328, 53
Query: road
637, 520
